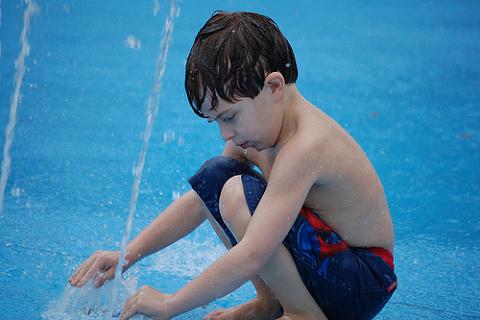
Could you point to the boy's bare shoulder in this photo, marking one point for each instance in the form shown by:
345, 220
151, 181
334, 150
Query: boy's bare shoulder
305, 146
326, 141
314, 135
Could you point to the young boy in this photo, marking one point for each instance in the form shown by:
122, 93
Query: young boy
312, 231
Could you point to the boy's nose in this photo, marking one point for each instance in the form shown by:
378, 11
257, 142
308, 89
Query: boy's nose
226, 133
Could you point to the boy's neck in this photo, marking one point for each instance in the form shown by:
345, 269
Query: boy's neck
290, 106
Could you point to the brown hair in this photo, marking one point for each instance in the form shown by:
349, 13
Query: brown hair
231, 56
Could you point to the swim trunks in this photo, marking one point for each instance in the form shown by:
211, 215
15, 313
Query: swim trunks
346, 282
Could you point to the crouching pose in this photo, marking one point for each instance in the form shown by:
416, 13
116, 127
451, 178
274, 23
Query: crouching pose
293, 196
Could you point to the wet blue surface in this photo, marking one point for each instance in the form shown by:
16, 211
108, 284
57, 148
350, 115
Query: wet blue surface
402, 77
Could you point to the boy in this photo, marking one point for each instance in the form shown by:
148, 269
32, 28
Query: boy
313, 231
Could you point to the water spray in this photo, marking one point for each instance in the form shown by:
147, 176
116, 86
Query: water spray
152, 109
30, 10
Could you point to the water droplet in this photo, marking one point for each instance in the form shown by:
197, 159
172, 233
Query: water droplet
175, 195
132, 43
156, 7
168, 136
16, 192
66, 8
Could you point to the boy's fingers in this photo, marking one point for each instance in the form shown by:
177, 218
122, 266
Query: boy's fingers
84, 267
128, 313
105, 277
129, 309
89, 274
78, 270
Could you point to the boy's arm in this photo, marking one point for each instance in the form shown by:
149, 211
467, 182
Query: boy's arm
291, 178
176, 221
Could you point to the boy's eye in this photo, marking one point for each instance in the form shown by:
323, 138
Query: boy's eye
229, 118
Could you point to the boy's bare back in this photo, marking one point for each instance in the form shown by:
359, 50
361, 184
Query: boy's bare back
347, 194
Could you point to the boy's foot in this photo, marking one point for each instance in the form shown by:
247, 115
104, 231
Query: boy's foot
305, 317
255, 309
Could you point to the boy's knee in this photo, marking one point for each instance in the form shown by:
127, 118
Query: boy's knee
215, 173
221, 163
232, 199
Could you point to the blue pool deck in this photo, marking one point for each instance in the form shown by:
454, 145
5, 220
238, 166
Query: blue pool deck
403, 77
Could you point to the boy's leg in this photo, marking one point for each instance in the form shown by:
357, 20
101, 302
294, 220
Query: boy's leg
280, 273
264, 306
208, 182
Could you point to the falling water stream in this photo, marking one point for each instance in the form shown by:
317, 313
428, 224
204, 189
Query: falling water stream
152, 108
106, 302
30, 10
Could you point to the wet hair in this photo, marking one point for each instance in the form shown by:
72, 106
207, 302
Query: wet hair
231, 56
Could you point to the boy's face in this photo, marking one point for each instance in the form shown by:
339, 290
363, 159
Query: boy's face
249, 123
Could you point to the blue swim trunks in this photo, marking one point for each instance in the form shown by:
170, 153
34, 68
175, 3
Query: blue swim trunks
346, 282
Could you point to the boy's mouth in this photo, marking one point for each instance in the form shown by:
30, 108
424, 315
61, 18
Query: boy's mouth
244, 145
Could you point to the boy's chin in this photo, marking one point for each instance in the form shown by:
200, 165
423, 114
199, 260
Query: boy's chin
250, 146
259, 148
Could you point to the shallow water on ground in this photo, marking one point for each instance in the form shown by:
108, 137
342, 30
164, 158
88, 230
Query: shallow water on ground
402, 78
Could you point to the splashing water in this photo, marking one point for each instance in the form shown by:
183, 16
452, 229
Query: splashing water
30, 10
201, 255
152, 108
88, 302
107, 301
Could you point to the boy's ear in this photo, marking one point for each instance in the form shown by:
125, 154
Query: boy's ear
276, 83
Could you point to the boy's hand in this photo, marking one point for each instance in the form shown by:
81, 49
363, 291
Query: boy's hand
100, 265
148, 302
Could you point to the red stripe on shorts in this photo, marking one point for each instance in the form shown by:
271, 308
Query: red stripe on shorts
326, 249
384, 254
